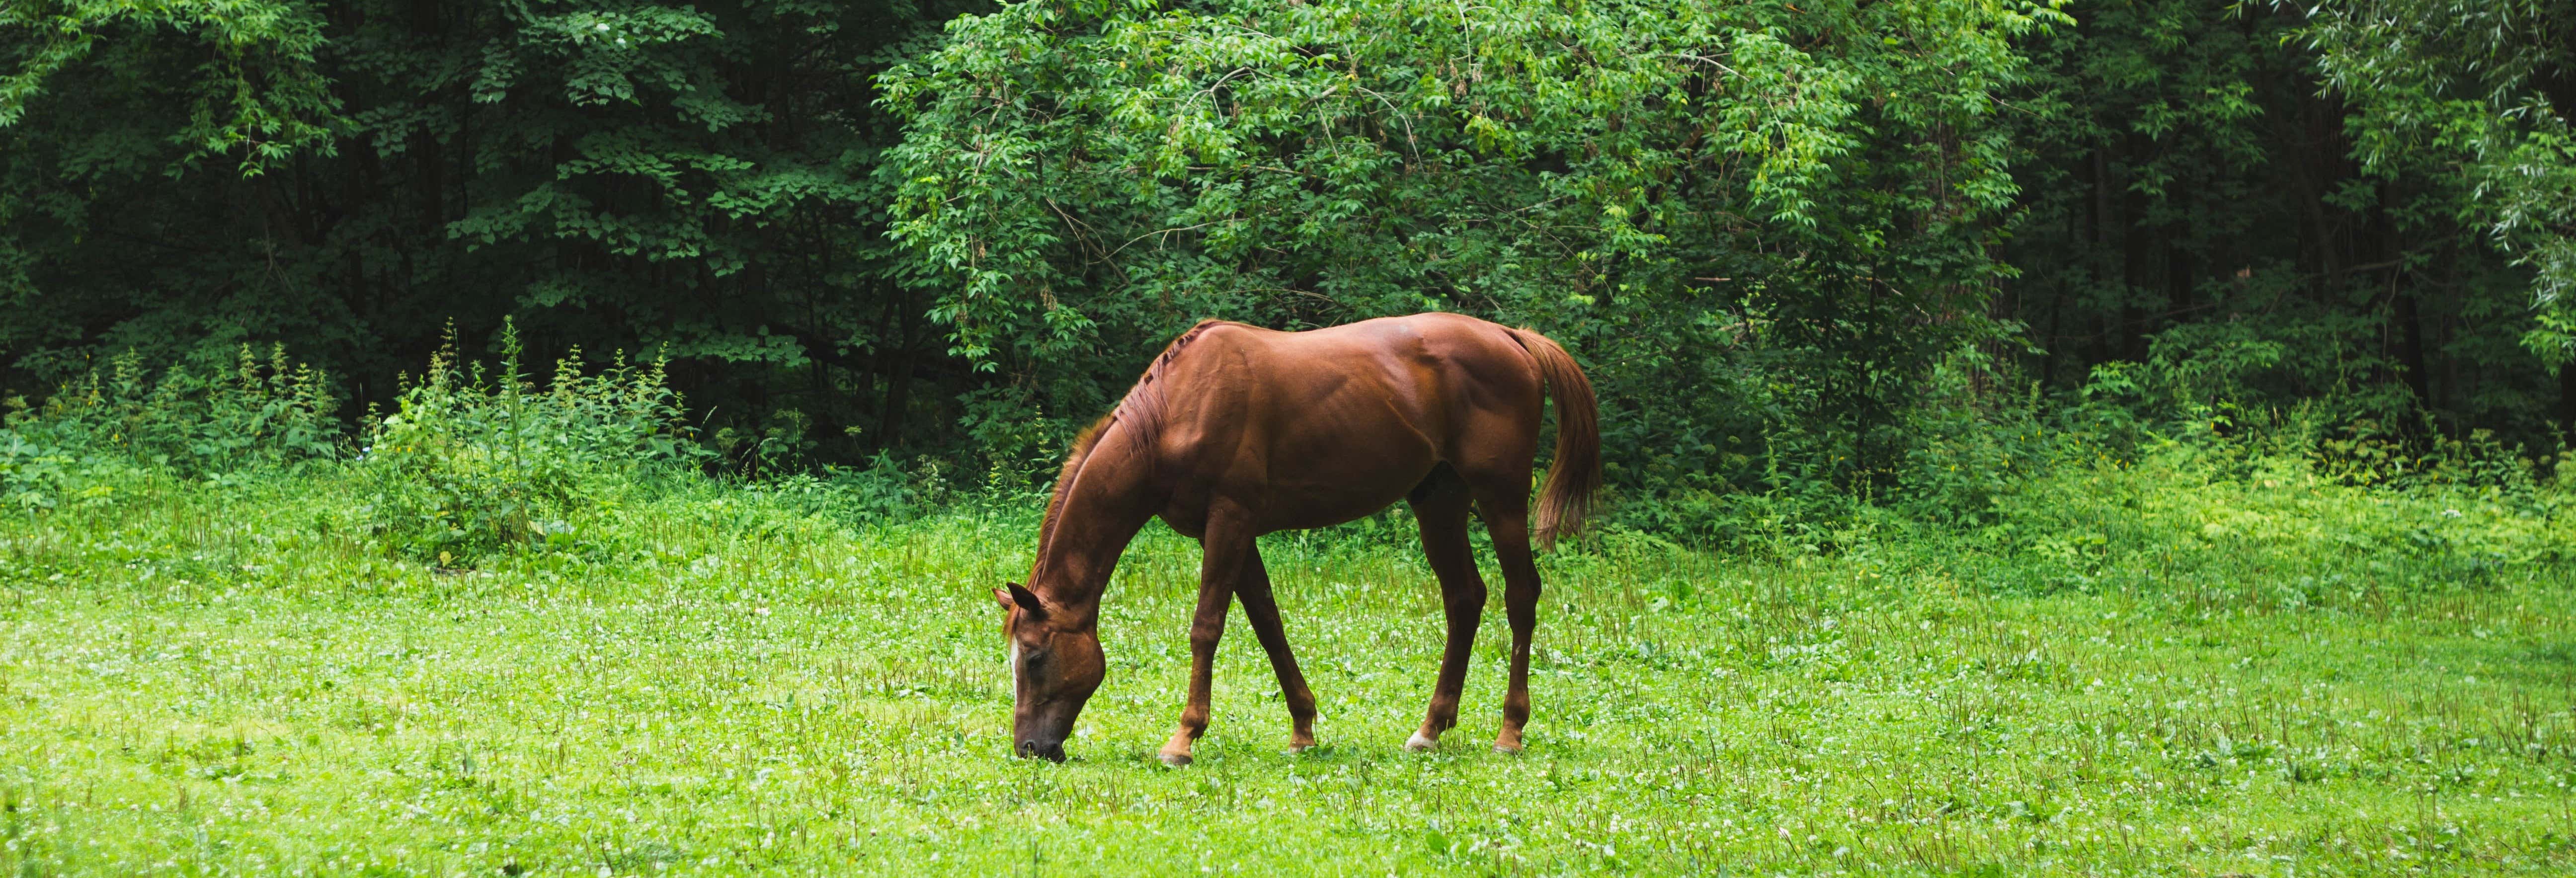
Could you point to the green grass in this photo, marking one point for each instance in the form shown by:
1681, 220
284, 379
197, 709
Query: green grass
220, 680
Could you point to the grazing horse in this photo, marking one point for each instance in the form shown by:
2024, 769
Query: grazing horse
1236, 431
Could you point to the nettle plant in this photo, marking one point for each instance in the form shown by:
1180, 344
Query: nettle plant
191, 421
478, 462
202, 421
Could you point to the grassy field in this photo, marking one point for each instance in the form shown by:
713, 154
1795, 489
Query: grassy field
218, 679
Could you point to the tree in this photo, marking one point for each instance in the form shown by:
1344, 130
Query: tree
2486, 87
1751, 219
180, 176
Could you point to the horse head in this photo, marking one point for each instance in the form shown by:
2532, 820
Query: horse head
1056, 662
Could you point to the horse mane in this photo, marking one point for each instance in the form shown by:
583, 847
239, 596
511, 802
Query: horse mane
1141, 410
1082, 443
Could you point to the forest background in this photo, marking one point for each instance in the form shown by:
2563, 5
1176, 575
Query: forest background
1813, 253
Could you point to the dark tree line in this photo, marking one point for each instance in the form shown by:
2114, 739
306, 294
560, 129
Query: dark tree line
694, 181
2197, 184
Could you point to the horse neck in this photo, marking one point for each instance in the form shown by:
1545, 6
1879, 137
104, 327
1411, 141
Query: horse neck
1108, 502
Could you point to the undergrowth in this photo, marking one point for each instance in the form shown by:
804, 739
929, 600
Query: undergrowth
120, 421
2154, 476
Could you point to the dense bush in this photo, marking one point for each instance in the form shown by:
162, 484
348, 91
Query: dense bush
2168, 476
476, 462
1753, 221
2193, 517
197, 420
31, 475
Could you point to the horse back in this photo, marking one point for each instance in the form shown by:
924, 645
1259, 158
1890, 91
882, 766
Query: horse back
1347, 419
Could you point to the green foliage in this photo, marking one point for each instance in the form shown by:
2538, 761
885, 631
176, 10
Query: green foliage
1700, 199
257, 93
190, 421
2189, 181
882, 492
687, 178
2200, 520
475, 464
31, 476
2486, 88
2171, 476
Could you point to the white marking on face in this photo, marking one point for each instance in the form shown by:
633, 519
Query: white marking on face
1015, 666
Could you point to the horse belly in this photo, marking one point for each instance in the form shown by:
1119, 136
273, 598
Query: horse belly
1310, 517
1353, 485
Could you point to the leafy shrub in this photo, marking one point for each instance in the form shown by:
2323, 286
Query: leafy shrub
1967, 449
31, 476
2213, 516
883, 491
194, 421
2157, 477
476, 463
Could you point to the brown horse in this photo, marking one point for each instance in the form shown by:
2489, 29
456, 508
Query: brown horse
1237, 431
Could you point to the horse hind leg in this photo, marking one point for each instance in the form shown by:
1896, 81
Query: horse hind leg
1262, 610
1440, 510
1508, 523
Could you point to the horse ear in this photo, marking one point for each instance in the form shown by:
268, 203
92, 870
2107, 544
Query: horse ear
1014, 595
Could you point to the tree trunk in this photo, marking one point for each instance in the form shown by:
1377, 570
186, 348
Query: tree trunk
424, 143
899, 383
2390, 247
2567, 404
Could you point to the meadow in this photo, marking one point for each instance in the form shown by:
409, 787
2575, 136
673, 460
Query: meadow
210, 677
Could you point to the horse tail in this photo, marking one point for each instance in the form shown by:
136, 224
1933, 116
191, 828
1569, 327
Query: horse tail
1576, 472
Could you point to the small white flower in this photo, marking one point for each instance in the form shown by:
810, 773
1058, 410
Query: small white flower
602, 27
2450, 513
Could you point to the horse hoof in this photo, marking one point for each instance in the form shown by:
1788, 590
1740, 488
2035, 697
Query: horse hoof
1418, 743
1173, 760
1507, 749
1300, 748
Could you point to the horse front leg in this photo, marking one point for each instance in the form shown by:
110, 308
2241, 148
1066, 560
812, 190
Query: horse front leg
1223, 549
1262, 611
